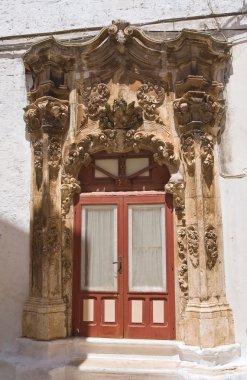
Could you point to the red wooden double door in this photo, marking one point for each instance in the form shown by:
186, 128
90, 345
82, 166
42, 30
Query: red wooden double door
123, 266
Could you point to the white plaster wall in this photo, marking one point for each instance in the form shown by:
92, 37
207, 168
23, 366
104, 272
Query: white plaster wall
19, 17
234, 187
34, 16
14, 205
234, 213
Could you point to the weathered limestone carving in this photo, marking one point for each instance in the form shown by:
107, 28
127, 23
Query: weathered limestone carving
193, 245
183, 268
37, 247
46, 115
120, 116
151, 96
54, 155
207, 154
177, 189
93, 97
52, 243
69, 187
120, 140
197, 109
211, 246
47, 112
134, 70
188, 149
38, 161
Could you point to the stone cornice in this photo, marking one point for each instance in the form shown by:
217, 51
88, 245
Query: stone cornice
121, 38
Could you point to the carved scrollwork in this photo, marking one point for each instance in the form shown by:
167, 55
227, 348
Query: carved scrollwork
93, 97
197, 109
211, 246
69, 187
151, 96
120, 116
177, 189
183, 268
120, 140
193, 245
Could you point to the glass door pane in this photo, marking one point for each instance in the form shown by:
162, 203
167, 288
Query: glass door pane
99, 248
146, 242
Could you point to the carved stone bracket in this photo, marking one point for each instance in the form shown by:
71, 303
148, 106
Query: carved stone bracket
193, 245
197, 109
211, 246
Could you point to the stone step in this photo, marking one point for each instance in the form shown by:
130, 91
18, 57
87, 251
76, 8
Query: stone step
119, 359
134, 367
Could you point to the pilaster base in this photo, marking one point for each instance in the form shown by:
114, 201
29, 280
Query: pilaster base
208, 324
44, 319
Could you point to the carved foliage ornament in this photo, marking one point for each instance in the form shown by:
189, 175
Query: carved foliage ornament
93, 97
193, 245
177, 190
188, 148
69, 187
151, 96
66, 261
207, 153
206, 141
38, 161
120, 116
211, 246
54, 154
197, 109
183, 268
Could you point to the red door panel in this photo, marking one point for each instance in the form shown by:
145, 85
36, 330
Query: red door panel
124, 312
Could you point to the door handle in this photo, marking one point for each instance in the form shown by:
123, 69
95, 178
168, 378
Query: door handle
120, 264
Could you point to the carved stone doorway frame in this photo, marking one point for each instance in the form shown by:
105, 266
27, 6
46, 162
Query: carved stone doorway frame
120, 92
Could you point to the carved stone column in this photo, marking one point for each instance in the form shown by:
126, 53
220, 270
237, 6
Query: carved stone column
207, 318
44, 312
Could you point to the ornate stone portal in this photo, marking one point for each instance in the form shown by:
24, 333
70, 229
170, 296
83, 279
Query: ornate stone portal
121, 92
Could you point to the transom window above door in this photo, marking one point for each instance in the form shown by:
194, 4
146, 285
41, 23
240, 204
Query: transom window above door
127, 172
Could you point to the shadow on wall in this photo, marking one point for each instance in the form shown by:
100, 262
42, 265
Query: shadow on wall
14, 281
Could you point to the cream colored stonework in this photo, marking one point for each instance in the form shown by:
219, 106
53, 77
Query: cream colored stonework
120, 92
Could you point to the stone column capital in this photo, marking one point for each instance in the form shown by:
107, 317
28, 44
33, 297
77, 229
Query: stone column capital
47, 114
